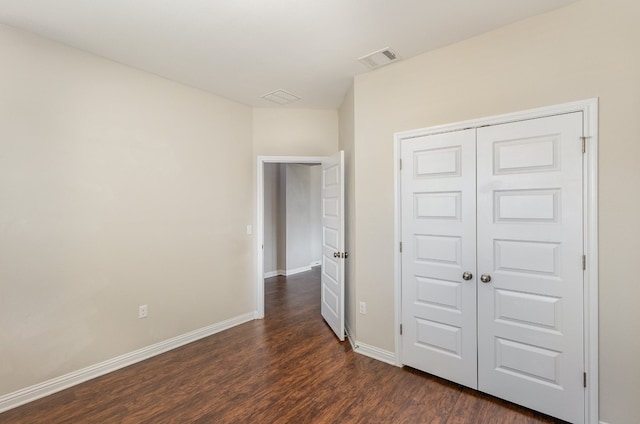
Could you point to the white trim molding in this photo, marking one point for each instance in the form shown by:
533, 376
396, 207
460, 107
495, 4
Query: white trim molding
296, 271
589, 109
46, 388
376, 353
289, 272
273, 273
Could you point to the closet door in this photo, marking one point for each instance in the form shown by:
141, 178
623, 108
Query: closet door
438, 235
530, 245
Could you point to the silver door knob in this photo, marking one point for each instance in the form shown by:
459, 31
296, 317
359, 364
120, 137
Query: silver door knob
467, 276
485, 278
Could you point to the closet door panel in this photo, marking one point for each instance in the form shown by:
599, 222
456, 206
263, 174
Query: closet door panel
530, 243
438, 236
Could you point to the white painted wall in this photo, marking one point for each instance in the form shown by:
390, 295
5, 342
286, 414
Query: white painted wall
295, 132
117, 188
120, 188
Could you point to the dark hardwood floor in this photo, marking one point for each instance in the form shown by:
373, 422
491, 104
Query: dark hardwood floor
287, 368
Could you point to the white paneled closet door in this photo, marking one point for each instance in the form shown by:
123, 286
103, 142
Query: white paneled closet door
438, 233
501, 205
530, 243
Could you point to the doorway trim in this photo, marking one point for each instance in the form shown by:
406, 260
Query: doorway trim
589, 108
262, 160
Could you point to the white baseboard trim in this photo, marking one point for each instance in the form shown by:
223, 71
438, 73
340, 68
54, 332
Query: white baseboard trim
602, 422
289, 272
273, 273
376, 353
40, 390
297, 270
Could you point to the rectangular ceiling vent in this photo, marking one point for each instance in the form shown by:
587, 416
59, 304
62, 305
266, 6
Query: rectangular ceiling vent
281, 97
380, 58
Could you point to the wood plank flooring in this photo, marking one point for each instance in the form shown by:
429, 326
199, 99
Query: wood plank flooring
287, 368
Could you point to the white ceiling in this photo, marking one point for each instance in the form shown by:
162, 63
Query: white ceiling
242, 49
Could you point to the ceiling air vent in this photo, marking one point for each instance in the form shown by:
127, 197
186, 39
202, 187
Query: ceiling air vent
280, 97
380, 58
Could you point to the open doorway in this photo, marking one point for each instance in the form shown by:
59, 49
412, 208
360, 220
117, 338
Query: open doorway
331, 240
263, 163
292, 222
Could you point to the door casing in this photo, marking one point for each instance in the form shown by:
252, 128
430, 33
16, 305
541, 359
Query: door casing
589, 108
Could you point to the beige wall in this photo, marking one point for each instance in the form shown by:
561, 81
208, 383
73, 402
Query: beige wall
588, 49
117, 188
295, 132
346, 143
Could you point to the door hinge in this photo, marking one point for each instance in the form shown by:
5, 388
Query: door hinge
401, 164
584, 262
584, 139
401, 329
400, 247
584, 379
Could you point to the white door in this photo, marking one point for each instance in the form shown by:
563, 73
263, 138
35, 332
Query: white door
525, 231
333, 254
438, 236
530, 243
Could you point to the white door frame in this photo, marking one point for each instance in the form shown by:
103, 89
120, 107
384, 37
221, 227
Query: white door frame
589, 108
259, 312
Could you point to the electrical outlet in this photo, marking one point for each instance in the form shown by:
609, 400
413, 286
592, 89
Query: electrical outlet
363, 308
142, 311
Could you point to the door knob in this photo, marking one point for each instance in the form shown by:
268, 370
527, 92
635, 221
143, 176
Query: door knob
467, 276
336, 254
485, 278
